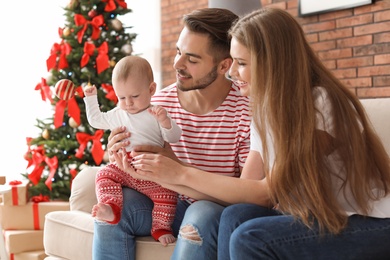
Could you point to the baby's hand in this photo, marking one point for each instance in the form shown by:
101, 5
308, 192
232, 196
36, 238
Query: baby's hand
90, 90
161, 115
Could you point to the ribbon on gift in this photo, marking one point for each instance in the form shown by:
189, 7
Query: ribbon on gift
110, 93
46, 93
40, 198
96, 22
73, 111
58, 50
111, 6
14, 188
96, 149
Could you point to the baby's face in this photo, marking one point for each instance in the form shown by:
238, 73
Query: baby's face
133, 94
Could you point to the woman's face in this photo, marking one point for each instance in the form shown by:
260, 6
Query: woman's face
240, 71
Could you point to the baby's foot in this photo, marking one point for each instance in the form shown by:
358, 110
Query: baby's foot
103, 212
166, 239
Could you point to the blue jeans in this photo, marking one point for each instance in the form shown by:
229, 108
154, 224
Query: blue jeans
202, 217
260, 233
118, 241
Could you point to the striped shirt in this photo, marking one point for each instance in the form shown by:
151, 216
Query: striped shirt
216, 142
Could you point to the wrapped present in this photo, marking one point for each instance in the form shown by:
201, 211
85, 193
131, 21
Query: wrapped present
18, 241
2, 180
31, 255
15, 193
30, 216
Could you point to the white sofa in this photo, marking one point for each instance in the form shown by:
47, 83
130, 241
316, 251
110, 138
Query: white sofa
68, 234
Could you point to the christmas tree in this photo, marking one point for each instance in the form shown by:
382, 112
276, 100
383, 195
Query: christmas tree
92, 40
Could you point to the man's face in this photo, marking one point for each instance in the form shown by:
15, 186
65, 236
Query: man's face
195, 67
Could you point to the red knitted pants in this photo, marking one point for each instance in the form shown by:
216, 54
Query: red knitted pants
109, 183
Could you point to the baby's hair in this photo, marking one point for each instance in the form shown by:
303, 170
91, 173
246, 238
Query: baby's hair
133, 66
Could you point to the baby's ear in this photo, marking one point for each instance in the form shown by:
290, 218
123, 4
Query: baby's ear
152, 88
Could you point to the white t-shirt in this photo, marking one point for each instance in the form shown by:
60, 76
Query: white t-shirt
144, 128
380, 208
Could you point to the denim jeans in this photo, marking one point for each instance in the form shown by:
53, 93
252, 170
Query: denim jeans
203, 218
118, 241
260, 233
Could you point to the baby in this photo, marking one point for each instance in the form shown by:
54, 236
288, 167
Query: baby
134, 86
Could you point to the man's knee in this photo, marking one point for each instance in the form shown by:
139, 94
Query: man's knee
190, 233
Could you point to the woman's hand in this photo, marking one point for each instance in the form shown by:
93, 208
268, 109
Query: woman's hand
116, 141
157, 168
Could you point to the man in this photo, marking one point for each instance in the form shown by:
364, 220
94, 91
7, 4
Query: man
215, 121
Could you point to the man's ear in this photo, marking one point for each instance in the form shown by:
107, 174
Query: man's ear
224, 65
152, 88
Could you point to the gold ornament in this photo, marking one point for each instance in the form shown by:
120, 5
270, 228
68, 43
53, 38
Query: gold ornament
112, 63
46, 134
72, 123
66, 32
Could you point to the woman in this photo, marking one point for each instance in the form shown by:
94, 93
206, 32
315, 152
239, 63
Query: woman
326, 190
327, 172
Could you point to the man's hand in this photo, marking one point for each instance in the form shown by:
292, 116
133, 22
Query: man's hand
117, 140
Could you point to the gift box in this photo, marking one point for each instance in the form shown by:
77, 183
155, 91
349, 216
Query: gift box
32, 255
2, 180
15, 193
30, 216
18, 241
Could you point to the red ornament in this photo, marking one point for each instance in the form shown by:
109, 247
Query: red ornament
65, 89
92, 13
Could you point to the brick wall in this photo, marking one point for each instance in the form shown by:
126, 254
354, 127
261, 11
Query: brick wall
353, 43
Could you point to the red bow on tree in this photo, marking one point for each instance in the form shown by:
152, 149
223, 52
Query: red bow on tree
110, 93
73, 111
111, 6
45, 90
96, 149
96, 22
59, 51
102, 58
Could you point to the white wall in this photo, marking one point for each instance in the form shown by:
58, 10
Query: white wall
28, 32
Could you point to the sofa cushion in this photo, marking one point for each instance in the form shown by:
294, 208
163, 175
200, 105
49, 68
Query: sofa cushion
70, 229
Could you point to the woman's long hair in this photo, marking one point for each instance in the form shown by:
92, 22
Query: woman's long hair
284, 71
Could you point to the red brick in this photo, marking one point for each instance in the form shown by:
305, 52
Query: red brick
354, 20
319, 27
335, 15
374, 71
335, 34
380, 81
344, 73
372, 28
372, 49
330, 64
382, 59
335, 54
357, 82
323, 46
382, 37
382, 16
355, 62
354, 41
373, 92
376, 6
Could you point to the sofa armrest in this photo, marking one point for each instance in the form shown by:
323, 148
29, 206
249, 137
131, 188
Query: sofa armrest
83, 195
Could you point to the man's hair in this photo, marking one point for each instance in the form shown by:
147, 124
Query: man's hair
215, 22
